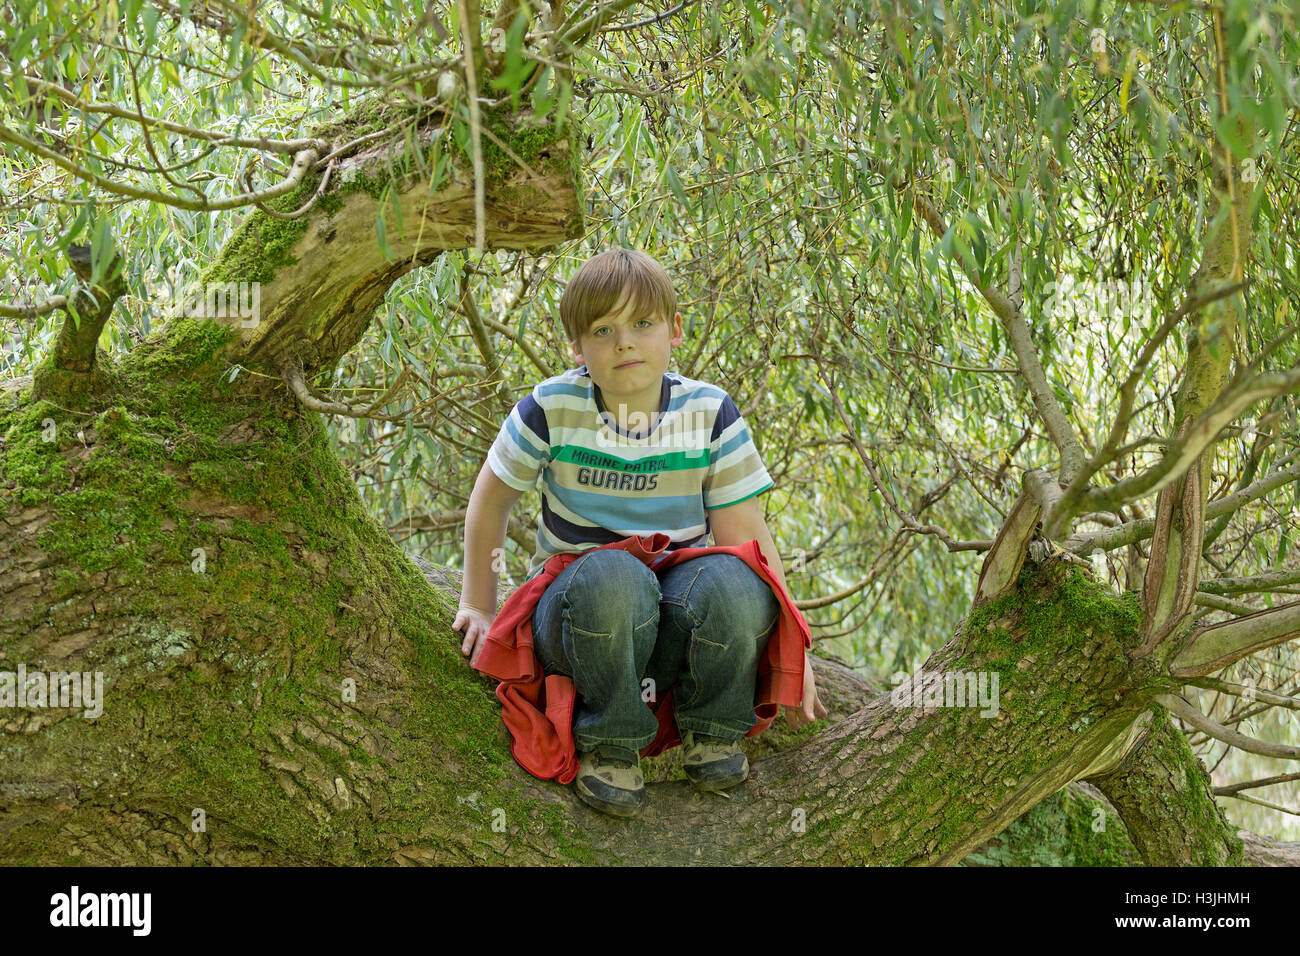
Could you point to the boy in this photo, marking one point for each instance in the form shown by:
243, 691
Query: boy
627, 449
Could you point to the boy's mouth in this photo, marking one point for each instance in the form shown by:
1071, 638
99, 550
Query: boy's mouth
630, 364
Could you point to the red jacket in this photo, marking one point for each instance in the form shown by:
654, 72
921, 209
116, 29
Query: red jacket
538, 708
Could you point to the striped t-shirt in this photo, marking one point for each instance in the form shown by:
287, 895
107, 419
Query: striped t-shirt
601, 483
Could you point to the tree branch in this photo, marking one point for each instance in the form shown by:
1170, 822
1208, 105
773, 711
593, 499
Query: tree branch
302, 163
291, 369
573, 34
909, 522
1258, 582
1216, 646
1236, 788
1184, 711
1049, 409
70, 373
1108, 539
1187, 448
193, 132
1241, 690
45, 307
1109, 449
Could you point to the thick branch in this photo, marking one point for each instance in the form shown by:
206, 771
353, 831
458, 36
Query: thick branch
1169, 587
1218, 645
1004, 560
321, 290
1108, 539
75, 349
1164, 797
70, 372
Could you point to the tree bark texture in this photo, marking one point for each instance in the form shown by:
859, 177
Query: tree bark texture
227, 682
281, 683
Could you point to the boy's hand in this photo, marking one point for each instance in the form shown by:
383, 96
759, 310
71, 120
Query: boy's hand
812, 708
475, 624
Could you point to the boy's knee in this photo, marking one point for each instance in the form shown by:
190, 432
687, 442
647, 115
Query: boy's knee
612, 589
726, 604
730, 587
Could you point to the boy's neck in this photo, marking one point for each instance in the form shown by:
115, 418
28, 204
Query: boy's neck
625, 410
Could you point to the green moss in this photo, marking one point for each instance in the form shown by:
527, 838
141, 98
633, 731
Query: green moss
1192, 805
1054, 615
1067, 829
31, 465
261, 244
260, 618
185, 348
1077, 606
156, 478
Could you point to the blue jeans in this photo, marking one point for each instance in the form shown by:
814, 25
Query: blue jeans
623, 634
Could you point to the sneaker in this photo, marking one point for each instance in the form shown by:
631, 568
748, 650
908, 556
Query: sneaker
609, 780
713, 763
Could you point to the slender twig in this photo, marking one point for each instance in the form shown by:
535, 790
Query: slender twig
212, 136
1184, 711
649, 20
1235, 788
302, 162
1241, 690
473, 55
291, 370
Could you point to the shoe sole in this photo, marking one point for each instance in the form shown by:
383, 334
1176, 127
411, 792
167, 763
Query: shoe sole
617, 809
718, 783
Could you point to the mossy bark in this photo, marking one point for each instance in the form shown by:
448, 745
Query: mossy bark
282, 683
229, 683
1162, 792
387, 209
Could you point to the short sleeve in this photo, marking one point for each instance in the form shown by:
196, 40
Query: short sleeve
736, 471
523, 445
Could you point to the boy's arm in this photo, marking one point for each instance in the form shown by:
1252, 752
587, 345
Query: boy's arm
743, 522
485, 532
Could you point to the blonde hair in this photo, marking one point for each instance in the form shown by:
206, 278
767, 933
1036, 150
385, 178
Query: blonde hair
602, 280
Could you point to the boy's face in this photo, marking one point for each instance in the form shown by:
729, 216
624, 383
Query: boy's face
627, 353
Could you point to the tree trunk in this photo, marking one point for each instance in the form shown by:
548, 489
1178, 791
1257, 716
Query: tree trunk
281, 684
1163, 794
227, 681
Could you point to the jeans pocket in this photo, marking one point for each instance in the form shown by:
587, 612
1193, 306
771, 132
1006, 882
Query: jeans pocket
651, 621
588, 655
702, 655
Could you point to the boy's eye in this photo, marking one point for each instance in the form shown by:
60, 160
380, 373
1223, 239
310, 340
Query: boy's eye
600, 332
